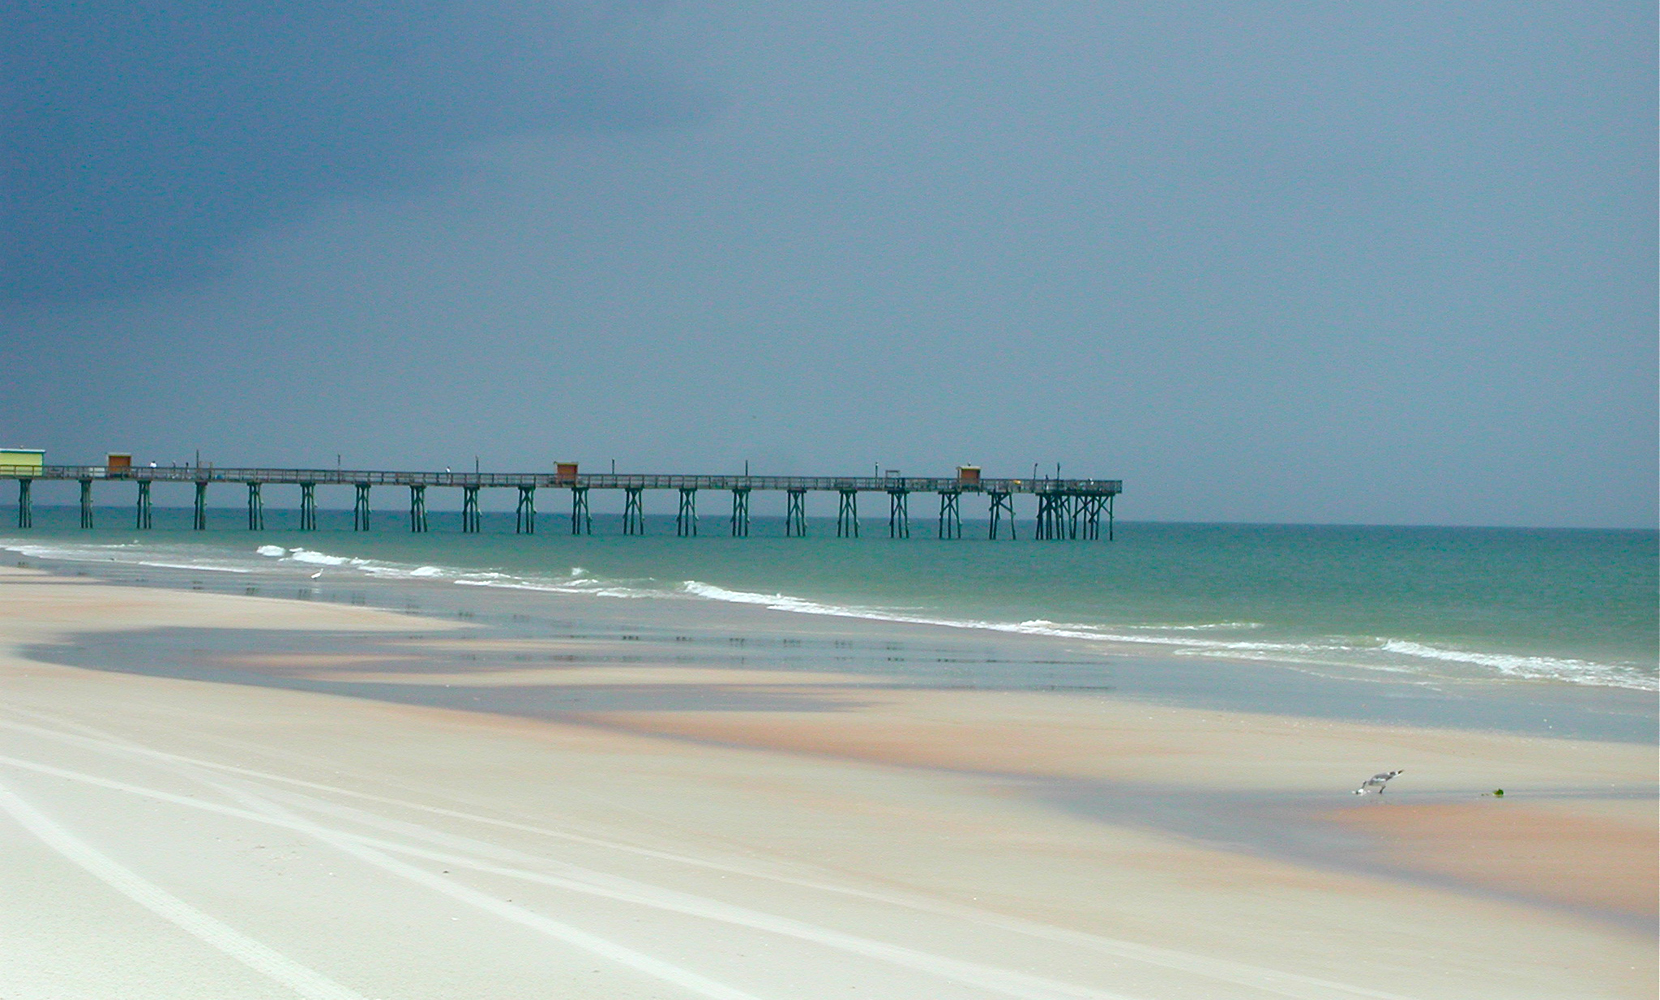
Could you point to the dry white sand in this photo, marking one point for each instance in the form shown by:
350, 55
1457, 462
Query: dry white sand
175, 838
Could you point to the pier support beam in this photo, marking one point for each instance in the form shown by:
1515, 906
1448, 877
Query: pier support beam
1086, 518
1109, 517
360, 508
308, 506
634, 515
25, 508
524, 516
199, 521
685, 522
740, 513
951, 516
847, 515
417, 509
256, 508
582, 523
899, 514
1051, 517
470, 520
86, 503
795, 513
1001, 505
142, 520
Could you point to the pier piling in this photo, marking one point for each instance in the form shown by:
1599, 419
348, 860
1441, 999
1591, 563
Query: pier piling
847, 515
1001, 505
634, 516
417, 508
582, 522
685, 522
86, 503
142, 519
899, 514
360, 508
524, 516
1050, 517
740, 512
199, 521
256, 508
308, 506
795, 514
470, 520
25, 509
951, 517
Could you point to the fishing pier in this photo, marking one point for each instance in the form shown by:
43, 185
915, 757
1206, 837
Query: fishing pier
1066, 508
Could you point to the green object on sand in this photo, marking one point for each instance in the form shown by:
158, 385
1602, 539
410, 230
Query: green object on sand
1498, 793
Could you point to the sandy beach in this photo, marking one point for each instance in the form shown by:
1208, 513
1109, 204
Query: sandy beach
791, 834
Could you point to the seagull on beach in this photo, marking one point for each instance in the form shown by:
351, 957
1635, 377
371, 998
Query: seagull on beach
1377, 782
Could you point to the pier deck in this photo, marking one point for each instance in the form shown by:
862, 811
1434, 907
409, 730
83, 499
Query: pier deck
1067, 508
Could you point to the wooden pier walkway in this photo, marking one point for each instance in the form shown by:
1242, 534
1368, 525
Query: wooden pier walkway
1066, 508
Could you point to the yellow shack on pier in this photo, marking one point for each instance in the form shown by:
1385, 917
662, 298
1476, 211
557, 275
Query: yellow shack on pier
18, 459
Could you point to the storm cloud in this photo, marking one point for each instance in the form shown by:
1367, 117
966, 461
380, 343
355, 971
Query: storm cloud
1264, 260
143, 140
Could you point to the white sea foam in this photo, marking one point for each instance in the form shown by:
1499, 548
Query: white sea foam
323, 558
1035, 626
1401, 656
1529, 667
126, 554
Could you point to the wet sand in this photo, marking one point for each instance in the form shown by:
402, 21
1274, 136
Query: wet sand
212, 813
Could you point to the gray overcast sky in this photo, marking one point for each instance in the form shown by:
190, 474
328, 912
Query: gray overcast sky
1387, 263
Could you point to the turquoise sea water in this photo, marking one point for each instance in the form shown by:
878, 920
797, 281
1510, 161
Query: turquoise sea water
1575, 606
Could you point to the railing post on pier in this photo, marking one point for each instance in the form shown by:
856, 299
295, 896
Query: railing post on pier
308, 506
634, 516
1000, 505
256, 508
685, 523
360, 508
469, 510
951, 518
740, 512
25, 509
899, 514
86, 503
142, 520
417, 508
795, 514
847, 515
199, 521
524, 517
582, 522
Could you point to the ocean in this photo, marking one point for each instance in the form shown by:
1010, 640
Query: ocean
1429, 604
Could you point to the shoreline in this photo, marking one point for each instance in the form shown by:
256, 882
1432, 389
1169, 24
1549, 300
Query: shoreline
1347, 624
1128, 849
917, 654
